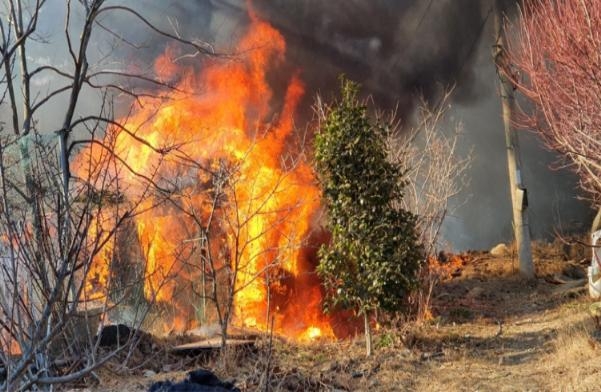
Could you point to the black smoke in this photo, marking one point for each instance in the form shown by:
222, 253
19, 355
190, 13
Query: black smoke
398, 50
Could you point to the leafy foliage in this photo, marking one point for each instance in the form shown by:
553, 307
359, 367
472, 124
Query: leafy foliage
374, 255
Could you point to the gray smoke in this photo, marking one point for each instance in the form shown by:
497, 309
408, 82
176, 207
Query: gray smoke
486, 217
397, 50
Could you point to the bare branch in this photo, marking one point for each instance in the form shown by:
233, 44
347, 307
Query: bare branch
559, 71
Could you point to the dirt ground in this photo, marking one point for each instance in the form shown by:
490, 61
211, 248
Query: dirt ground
490, 331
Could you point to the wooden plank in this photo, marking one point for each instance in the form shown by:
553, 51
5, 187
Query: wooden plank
210, 344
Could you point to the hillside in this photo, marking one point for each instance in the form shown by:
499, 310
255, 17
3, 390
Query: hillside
490, 332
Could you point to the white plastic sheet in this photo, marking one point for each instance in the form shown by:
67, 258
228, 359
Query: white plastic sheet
594, 271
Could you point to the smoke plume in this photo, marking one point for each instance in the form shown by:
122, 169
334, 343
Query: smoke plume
398, 50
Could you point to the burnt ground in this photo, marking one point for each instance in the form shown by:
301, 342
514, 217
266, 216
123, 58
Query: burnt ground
490, 331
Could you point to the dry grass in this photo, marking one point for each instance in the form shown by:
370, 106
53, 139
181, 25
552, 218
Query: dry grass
576, 358
510, 335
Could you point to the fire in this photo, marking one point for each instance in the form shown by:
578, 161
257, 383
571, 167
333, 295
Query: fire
226, 120
98, 275
312, 333
447, 265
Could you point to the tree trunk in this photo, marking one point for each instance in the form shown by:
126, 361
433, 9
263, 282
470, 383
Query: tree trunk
223, 352
367, 334
224, 325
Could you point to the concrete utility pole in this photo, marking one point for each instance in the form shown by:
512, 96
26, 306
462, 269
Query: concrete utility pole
519, 200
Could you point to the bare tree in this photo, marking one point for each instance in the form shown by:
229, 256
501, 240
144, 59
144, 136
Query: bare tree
555, 50
437, 173
53, 227
251, 224
437, 167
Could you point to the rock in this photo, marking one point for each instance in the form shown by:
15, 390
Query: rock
149, 373
500, 250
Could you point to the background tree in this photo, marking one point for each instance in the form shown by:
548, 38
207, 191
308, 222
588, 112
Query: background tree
231, 261
556, 49
436, 176
436, 166
373, 257
54, 221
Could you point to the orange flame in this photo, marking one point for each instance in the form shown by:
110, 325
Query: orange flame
270, 207
450, 265
97, 280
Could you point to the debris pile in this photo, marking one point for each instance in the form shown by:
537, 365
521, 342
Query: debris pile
197, 381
